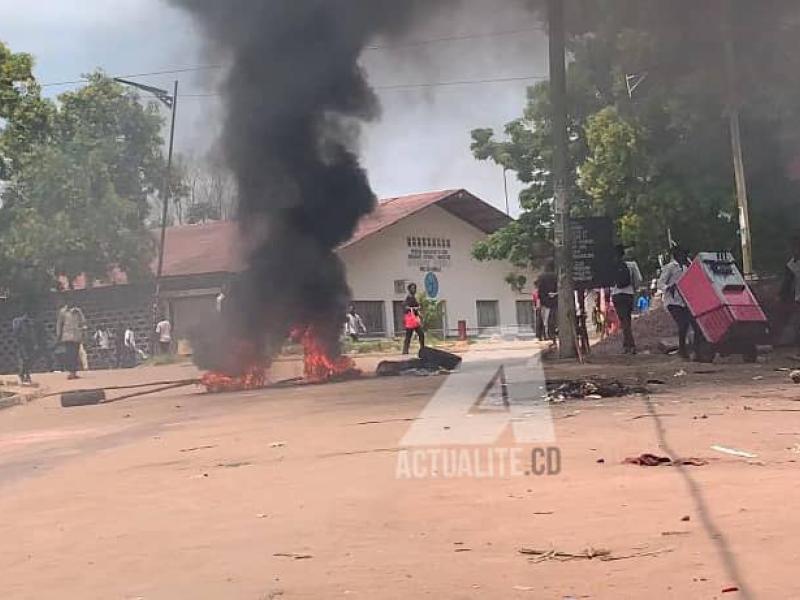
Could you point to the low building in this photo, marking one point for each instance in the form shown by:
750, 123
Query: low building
425, 239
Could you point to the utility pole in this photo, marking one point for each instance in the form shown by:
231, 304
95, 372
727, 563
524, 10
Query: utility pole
558, 99
505, 189
733, 104
171, 102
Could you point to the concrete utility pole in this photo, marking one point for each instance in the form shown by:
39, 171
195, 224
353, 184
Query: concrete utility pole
171, 102
733, 104
558, 99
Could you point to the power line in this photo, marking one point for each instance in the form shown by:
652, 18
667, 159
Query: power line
454, 38
412, 86
136, 75
409, 44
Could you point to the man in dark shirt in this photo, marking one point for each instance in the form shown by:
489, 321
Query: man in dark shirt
547, 286
412, 319
25, 335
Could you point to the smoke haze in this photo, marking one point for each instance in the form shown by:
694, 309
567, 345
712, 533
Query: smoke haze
294, 99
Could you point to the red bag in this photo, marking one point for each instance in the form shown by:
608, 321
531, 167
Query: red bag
411, 320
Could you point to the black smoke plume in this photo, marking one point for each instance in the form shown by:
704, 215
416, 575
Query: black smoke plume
294, 99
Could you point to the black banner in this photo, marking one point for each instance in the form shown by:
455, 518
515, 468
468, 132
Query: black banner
593, 255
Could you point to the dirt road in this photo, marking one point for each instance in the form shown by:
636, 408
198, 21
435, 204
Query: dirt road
294, 493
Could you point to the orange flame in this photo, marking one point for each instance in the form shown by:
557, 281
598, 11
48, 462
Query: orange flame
253, 378
318, 365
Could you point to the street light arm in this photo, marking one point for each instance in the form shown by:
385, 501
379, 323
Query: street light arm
163, 95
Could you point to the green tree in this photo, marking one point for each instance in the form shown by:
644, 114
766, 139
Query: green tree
25, 114
80, 172
662, 158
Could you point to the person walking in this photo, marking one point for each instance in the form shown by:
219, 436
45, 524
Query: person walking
673, 301
119, 345
547, 287
24, 332
102, 340
132, 352
412, 318
790, 290
628, 278
538, 325
164, 333
354, 324
70, 331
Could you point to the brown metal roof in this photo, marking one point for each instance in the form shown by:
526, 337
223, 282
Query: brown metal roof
214, 247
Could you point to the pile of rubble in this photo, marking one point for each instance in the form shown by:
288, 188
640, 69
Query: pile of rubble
649, 329
594, 388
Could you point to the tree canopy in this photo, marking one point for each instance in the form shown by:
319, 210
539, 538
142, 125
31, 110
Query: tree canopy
77, 174
659, 159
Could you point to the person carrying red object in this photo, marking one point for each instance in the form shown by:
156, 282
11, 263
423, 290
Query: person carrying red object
412, 319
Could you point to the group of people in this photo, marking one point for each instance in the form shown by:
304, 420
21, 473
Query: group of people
33, 344
115, 348
627, 282
627, 287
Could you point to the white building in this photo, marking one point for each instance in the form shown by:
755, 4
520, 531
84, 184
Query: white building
425, 239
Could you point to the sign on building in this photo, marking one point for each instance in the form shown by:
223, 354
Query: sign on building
428, 254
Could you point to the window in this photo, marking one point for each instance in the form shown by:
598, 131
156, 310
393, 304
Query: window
488, 314
372, 313
397, 313
525, 314
400, 286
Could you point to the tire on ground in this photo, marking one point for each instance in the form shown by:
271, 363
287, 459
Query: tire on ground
82, 398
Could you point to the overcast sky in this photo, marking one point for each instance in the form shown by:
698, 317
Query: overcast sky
420, 144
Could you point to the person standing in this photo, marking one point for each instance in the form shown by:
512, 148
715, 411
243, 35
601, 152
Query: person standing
24, 332
628, 278
221, 297
164, 333
547, 287
70, 330
131, 351
44, 348
102, 339
538, 325
119, 345
790, 290
643, 303
354, 324
412, 318
673, 301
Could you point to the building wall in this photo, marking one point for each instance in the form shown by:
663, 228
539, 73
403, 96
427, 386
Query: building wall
110, 306
375, 263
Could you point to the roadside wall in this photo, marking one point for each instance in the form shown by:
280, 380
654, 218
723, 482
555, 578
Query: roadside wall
124, 304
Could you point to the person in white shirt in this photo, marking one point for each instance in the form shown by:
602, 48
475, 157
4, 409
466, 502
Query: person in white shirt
102, 338
131, 350
164, 332
628, 279
673, 301
354, 324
